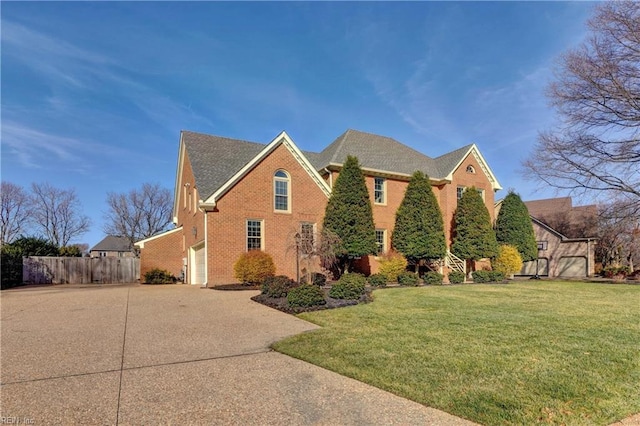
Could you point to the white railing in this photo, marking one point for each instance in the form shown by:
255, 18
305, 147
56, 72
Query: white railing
454, 263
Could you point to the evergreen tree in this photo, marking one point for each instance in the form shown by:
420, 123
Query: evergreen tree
514, 227
419, 230
474, 237
349, 215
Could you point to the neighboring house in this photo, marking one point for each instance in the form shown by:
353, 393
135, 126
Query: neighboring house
560, 255
232, 196
112, 246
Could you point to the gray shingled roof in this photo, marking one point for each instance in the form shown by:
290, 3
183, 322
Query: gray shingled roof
215, 159
113, 243
385, 154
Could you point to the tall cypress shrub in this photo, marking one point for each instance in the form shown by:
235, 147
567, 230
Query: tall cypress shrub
473, 236
349, 215
419, 230
514, 227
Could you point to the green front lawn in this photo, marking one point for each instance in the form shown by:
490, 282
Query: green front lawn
522, 353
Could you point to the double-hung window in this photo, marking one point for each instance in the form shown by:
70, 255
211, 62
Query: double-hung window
254, 234
379, 187
282, 199
381, 241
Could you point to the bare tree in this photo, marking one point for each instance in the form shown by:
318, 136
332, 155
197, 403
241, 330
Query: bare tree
14, 212
140, 213
596, 146
619, 237
57, 214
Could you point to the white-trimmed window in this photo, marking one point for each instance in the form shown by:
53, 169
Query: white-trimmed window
254, 234
281, 198
381, 241
459, 191
481, 193
470, 169
379, 190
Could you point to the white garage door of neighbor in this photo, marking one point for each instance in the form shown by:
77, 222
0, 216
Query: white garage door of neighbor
572, 266
199, 266
529, 268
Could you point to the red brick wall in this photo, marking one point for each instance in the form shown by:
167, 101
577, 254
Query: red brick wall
252, 198
164, 252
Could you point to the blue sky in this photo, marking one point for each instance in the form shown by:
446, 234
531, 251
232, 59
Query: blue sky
94, 95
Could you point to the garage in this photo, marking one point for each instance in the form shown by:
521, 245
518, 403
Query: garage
572, 266
198, 265
529, 268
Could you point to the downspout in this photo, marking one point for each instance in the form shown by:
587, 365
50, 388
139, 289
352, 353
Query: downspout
206, 253
588, 256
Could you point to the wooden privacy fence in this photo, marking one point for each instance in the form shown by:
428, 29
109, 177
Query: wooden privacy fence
80, 270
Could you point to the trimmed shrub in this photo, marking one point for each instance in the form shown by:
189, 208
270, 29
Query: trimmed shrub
377, 280
615, 271
409, 279
508, 261
487, 276
306, 295
349, 286
456, 277
496, 276
277, 286
433, 278
392, 265
159, 276
481, 276
253, 267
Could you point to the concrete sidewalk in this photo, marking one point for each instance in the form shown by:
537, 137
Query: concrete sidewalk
172, 354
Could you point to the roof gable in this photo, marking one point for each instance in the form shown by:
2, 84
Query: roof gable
376, 153
281, 139
113, 243
448, 163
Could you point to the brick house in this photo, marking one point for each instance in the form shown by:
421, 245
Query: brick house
232, 196
113, 246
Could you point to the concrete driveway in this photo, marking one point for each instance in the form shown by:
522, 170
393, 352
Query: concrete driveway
132, 354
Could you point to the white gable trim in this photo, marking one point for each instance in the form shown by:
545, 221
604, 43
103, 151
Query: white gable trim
282, 138
141, 243
176, 189
473, 150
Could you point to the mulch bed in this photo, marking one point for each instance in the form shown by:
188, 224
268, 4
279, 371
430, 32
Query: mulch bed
280, 303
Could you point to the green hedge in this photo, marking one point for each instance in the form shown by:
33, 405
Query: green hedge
306, 295
456, 277
349, 286
487, 276
409, 279
433, 278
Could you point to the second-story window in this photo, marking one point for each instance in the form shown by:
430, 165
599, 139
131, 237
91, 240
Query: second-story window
379, 186
281, 183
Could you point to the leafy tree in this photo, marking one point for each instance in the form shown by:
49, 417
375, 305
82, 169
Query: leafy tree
13, 253
140, 213
419, 230
57, 214
14, 211
474, 237
349, 215
70, 251
595, 147
514, 227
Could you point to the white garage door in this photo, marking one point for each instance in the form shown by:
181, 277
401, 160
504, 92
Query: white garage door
199, 266
572, 266
529, 268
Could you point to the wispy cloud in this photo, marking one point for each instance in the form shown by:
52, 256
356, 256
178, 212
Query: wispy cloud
38, 149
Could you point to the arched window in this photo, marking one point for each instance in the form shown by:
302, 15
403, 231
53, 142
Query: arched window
281, 199
470, 169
